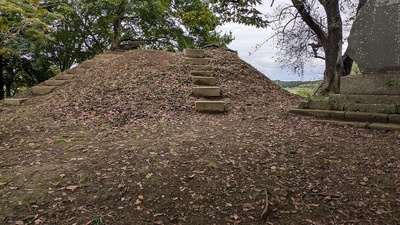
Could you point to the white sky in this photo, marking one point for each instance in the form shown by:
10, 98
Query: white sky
246, 38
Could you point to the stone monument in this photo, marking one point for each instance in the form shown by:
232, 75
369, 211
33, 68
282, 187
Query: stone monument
374, 43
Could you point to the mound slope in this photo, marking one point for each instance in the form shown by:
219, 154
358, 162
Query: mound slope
123, 144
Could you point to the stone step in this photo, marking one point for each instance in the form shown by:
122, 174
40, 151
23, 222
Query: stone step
200, 67
377, 126
371, 108
206, 91
349, 116
202, 73
198, 53
210, 106
88, 64
54, 82
14, 101
197, 61
208, 81
42, 90
315, 105
365, 99
75, 71
64, 77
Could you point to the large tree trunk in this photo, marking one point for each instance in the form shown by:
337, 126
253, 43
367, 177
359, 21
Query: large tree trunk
117, 25
1, 77
334, 67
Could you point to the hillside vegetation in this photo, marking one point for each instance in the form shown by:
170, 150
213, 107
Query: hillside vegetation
123, 144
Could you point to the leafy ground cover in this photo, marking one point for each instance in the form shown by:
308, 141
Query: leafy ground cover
123, 144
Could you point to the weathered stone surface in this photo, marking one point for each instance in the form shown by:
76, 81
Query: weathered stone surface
206, 91
76, 71
394, 118
374, 41
371, 84
197, 61
366, 117
372, 108
344, 123
194, 52
202, 73
64, 77
88, 64
14, 101
365, 99
54, 82
382, 126
319, 105
210, 106
208, 81
337, 115
200, 67
42, 90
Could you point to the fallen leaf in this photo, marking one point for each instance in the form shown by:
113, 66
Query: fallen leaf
72, 187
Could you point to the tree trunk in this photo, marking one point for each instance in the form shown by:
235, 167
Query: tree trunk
8, 89
117, 24
334, 67
1, 77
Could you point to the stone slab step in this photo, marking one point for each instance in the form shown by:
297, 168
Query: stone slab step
208, 81
64, 77
14, 101
349, 116
88, 64
372, 108
198, 53
54, 82
328, 114
42, 90
377, 126
202, 73
197, 61
200, 67
315, 105
210, 106
364, 99
206, 91
76, 71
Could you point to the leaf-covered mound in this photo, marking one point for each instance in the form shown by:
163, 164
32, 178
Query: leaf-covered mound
123, 144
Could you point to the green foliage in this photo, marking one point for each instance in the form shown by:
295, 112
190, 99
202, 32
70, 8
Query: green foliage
354, 69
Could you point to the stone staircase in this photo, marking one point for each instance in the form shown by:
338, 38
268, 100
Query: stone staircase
53, 83
204, 82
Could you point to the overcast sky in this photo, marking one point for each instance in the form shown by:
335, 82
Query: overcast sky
246, 38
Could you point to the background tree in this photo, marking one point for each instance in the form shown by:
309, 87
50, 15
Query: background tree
25, 26
314, 29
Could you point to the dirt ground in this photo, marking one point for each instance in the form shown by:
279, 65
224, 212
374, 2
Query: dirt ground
122, 144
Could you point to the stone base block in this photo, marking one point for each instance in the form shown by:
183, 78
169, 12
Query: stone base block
197, 61
210, 106
365, 99
366, 117
371, 84
206, 91
198, 53
64, 77
42, 90
202, 73
319, 105
207, 81
14, 101
336, 115
394, 118
54, 82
